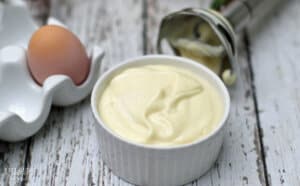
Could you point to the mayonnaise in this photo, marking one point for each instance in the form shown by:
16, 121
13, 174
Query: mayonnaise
160, 105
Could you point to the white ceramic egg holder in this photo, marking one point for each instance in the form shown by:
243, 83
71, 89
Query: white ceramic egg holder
25, 105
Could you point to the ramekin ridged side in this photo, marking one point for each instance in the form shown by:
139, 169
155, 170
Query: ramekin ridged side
159, 166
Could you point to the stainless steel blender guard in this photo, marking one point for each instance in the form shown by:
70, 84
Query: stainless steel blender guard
217, 22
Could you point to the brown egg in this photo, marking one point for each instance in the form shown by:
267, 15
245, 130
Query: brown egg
55, 50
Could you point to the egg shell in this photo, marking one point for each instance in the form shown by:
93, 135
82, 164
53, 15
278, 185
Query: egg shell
55, 50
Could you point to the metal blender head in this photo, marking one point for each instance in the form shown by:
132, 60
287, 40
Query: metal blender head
208, 36
203, 35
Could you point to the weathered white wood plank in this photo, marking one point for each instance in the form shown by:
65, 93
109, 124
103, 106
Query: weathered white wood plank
12, 159
275, 59
65, 152
39, 9
240, 161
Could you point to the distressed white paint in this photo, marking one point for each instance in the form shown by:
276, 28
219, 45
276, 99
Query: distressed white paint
275, 57
12, 163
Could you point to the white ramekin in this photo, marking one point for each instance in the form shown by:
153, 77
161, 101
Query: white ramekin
161, 166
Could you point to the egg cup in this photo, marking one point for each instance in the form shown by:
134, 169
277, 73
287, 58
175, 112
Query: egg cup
151, 165
25, 105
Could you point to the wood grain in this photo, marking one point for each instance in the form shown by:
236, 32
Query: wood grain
275, 59
40, 9
12, 162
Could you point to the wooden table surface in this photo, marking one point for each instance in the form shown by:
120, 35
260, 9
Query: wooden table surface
262, 141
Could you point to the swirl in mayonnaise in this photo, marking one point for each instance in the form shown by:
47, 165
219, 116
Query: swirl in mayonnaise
160, 105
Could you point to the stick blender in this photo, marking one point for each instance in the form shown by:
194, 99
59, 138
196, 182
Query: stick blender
208, 36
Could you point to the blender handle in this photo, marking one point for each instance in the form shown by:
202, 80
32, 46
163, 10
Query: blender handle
240, 12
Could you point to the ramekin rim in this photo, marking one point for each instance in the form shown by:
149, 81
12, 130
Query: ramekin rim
221, 85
